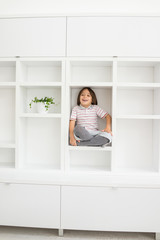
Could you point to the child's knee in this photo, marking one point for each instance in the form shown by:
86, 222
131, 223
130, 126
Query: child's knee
78, 128
82, 133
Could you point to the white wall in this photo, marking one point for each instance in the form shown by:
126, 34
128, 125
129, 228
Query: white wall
20, 7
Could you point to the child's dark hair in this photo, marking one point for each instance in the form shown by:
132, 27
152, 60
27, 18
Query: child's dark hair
93, 95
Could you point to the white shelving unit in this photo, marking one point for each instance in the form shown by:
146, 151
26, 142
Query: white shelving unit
45, 182
129, 89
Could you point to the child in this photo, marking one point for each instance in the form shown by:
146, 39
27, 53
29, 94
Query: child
84, 115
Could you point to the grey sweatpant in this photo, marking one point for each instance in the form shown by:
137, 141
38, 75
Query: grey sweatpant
87, 139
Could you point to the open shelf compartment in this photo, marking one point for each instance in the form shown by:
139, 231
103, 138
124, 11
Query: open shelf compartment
138, 101
7, 157
27, 94
40, 71
104, 97
40, 143
137, 145
7, 71
90, 160
138, 71
7, 119
91, 71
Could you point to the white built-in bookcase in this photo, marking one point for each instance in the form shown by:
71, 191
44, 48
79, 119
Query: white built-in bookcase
128, 88
28, 139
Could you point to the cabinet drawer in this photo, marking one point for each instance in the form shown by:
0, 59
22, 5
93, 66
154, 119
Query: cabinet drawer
113, 36
32, 37
109, 209
30, 205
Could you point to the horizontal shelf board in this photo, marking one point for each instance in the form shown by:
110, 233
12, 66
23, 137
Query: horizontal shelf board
41, 166
138, 85
81, 148
107, 61
7, 165
139, 117
41, 84
94, 84
7, 145
44, 60
139, 61
91, 63
89, 169
41, 115
8, 84
8, 59
128, 171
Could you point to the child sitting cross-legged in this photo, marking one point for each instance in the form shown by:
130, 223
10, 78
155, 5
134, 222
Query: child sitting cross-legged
83, 127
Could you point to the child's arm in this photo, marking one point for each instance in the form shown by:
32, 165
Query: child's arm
71, 129
108, 124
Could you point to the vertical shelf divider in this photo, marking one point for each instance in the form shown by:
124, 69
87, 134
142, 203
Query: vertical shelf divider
114, 96
159, 148
63, 96
17, 149
67, 114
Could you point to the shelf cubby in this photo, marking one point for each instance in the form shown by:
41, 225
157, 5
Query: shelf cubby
104, 97
137, 145
91, 71
138, 71
7, 119
8, 115
40, 143
7, 157
89, 159
138, 101
7, 71
27, 93
40, 71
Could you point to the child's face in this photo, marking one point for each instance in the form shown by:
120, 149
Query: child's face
85, 98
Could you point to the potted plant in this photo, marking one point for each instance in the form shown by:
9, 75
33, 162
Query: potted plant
43, 104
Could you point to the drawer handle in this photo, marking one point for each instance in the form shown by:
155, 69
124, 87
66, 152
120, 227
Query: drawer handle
7, 183
114, 187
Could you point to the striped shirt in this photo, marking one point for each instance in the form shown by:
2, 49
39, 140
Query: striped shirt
88, 117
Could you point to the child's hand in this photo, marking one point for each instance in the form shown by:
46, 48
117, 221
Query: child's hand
73, 141
108, 130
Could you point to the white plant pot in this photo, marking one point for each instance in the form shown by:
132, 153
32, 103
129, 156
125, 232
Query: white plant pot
41, 108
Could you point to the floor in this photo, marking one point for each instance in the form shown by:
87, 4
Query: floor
15, 233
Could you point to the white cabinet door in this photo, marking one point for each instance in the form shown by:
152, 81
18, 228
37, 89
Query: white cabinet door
107, 209
113, 36
30, 205
32, 37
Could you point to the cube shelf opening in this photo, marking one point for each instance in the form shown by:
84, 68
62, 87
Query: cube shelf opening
7, 119
7, 71
138, 101
104, 97
90, 161
91, 71
7, 158
40, 71
40, 144
138, 72
27, 94
137, 145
